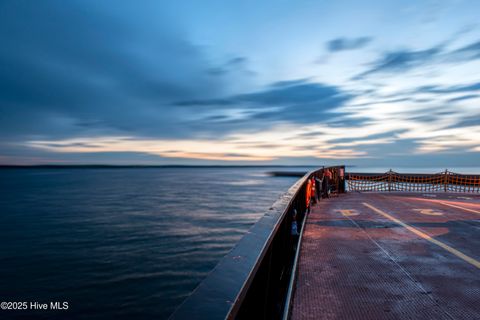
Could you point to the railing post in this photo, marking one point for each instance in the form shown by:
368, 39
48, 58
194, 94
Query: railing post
445, 180
342, 178
390, 180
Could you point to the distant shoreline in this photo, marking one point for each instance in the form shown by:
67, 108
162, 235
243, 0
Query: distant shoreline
108, 166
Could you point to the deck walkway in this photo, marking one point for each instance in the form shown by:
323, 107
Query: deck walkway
390, 256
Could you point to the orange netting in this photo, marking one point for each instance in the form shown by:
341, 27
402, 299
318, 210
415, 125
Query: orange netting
392, 181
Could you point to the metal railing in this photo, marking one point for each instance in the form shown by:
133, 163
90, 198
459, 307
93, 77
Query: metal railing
407, 182
254, 280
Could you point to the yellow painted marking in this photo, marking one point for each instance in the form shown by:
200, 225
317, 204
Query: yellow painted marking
349, 212
458, 207
429, 212
425, 236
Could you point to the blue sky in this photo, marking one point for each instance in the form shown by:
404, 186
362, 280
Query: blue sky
382, 83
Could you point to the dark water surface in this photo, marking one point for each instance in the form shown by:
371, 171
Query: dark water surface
121, 243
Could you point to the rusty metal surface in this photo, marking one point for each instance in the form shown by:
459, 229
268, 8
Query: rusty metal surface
357, 263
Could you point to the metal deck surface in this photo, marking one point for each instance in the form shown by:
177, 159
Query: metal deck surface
390, 256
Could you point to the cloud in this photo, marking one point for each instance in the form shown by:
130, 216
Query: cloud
398, 61
294, 101
468, 52
436, 89
344, 44
464, 97
281, 140
81, 69
236, 64
401, 61
394, 128
294, 92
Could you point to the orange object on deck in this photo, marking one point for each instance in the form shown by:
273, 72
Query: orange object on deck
312, 192
308, 192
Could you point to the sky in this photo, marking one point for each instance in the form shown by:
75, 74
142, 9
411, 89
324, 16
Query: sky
379, 83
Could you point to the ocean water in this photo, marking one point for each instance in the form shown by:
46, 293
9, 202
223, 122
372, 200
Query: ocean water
121, 243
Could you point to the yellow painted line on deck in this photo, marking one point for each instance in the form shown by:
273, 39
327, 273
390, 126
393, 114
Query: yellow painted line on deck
458, 207
429, 212
349, 212
425, 236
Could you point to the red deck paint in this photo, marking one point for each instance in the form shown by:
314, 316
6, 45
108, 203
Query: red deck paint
358, 264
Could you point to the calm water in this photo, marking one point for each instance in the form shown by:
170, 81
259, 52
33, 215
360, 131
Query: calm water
122, 243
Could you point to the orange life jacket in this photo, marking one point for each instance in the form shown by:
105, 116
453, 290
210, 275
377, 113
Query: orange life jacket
308, 192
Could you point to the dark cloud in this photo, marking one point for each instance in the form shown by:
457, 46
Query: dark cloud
73, 144
77, 69
296, 101
468, 52
473, 87
467, 123
282, 93
343, 44
205, 102
401, 61
464, 97
289, 83
294, 94
237, 61
398, 61
396, 100
237, 64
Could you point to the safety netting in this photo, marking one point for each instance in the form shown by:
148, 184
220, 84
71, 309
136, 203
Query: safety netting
392, 181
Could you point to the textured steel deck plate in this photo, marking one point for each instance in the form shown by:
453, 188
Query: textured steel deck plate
358, 264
